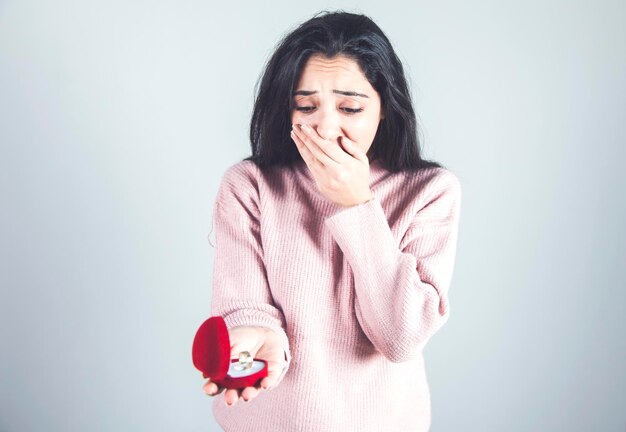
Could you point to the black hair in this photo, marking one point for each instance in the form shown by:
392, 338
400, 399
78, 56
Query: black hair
396, 143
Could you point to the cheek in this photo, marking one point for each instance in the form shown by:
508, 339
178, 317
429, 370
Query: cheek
298, 117
363, 129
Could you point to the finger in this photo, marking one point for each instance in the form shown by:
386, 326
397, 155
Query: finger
249, 393
274, 368
309, 158
231, 396
313, 144
329, 152
353, 149
268, 383
211, 388
302, 148
305, 151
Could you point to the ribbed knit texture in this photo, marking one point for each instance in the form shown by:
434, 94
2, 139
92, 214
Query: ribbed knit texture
355, 293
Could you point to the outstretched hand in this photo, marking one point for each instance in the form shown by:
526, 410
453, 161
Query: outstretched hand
262, 343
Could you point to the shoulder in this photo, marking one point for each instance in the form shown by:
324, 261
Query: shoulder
427, 183
246, 178
443, 182
239, 188
437, 179
247, 173
435, 192
246, 184
241, 173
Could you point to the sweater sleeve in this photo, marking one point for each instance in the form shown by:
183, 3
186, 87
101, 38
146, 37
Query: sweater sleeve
401, 290
241, 293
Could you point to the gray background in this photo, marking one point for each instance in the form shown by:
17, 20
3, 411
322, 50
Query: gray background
118, 119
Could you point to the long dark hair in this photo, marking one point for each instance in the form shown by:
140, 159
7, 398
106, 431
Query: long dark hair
396, 143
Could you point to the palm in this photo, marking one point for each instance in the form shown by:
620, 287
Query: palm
261, 343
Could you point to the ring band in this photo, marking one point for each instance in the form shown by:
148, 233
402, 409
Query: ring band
245, 359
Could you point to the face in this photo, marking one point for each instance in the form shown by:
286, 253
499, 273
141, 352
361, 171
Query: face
334, 97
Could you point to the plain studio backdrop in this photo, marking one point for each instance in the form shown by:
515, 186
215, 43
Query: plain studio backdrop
118, 119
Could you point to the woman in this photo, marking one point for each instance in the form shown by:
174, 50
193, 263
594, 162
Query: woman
335, 240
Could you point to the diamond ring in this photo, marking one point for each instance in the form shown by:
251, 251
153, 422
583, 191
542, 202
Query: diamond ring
245, 359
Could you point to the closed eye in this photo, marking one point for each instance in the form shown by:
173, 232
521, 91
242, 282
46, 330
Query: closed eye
308, 109
304, 109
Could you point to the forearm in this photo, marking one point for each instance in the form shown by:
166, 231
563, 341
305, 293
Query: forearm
400, 296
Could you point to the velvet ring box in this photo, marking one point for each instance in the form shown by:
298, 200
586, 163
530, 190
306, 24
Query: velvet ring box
211, 356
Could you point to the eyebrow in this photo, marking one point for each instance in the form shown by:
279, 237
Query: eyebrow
342, 92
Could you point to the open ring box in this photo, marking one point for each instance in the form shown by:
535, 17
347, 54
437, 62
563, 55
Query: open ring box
211, 356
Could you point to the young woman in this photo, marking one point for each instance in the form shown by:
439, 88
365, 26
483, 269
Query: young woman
335, 240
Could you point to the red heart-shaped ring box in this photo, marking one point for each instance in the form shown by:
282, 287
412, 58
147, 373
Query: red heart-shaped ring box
211, 356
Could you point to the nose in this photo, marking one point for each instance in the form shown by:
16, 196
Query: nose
328, 124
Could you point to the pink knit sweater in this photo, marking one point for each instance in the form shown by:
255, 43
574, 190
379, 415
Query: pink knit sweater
355, 293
